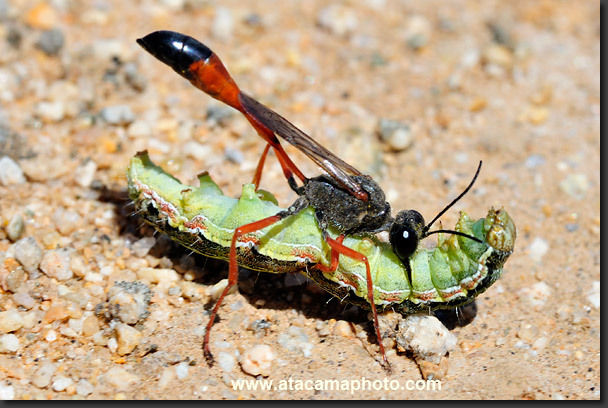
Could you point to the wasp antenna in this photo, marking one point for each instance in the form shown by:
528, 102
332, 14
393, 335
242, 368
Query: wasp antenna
462, 234
447, 207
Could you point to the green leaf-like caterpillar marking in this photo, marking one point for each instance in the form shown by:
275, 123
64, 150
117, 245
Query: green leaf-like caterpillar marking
203, 219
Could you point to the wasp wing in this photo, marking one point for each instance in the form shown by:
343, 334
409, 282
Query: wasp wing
337, 168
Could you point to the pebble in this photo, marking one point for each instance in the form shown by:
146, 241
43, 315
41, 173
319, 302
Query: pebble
426, 337
60, 383
85, 173
7, 392
120, 378
218, 114
15, 227
534, 161
117, 115
593, 296
10, 320
226, 361
338, 19
537, 249
258, 360
23, 298
42, 16
84, 388
129, 301
66, 221
16, 277
222, 26
418, 31
28, 253
154, 275
51, 41
295, 339
396, 134
166, 377
181, 370
90, 325
127, 338
142, 246
498, 55
9, 343
233, 155
537, 294
42, 376
343, 328
10, 172
56, 264
575, 185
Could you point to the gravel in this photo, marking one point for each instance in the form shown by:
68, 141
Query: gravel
10, 172
28, 253
51, 41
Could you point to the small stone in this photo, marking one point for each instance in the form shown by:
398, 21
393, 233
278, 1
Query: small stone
51, 336
218, 114
22, 298
51, 111
534, 161
42, 16
338, 19
166, 377
258, 360
192, 291
15, 278
537, 294
51, 41
433, 371
127, 337
84, 388
66, 221
28, 253
120, 378
154, 275
7, 392
10, 320
396, 134
15, 227
85, 173
540, 343
128, 301
56, 264
10, 172
575, 185
117, 115
222, 26
216, 290
537, 249
343, 328
418, 31
593, 296
181, 370
9, 343
42, 376
90, 325
142, 246
426, 337
60, 383
226, 361
498, 55
295, 339
233, 155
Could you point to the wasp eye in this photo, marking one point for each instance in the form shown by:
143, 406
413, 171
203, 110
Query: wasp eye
404, 241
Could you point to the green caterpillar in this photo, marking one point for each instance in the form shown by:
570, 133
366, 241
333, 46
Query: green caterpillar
203, 220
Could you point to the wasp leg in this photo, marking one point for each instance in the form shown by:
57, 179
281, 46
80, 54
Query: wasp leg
337, 248
233, 270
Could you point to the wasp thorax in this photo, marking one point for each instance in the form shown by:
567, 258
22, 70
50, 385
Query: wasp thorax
405, 233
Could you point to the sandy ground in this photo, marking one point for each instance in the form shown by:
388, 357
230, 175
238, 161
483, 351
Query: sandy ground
515, 84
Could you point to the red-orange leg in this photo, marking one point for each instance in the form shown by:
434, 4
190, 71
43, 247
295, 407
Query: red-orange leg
338, 248
257, 178
233, 273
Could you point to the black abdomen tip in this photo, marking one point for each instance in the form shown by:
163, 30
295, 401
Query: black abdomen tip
177, 50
